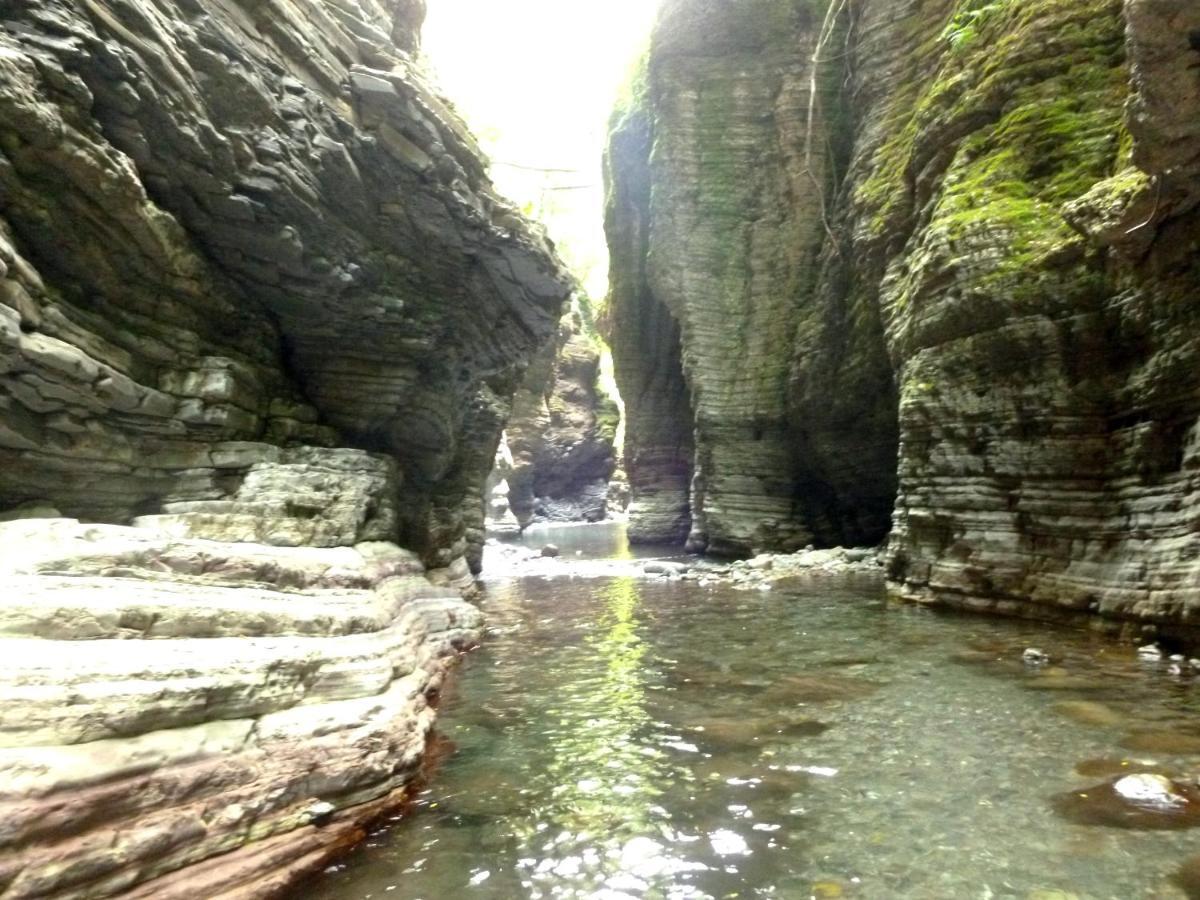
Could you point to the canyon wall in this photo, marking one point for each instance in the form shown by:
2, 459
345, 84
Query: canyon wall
1034, 246
254, 223
720, 167
561, 433
998, 327
262, 315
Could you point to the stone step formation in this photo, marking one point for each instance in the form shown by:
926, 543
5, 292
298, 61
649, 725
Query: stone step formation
261, 312
165, 701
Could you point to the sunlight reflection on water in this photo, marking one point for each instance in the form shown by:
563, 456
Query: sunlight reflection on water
625, 737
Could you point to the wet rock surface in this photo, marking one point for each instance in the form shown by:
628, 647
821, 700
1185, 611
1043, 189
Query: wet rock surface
1139, 800
766, 570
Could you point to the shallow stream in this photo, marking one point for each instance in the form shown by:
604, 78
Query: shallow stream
620, 736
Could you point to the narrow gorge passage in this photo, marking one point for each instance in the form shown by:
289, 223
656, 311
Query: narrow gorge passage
546, 449
624, 735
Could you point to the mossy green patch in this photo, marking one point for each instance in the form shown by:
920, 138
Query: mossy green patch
970, 22
1036, 111
608, 418
634, 93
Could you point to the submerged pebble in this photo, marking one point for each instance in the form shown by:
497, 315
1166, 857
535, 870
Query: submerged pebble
1169, 742
1059, 679
1187, 877
819, 689
1089, 712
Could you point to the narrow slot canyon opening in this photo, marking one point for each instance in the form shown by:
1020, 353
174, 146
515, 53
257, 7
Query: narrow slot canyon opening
542, 118
683, 465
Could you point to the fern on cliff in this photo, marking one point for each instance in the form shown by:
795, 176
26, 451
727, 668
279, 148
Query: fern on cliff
964, 28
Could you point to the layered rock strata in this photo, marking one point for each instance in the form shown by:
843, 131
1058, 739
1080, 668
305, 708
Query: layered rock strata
1003, 302
645, 342
718, 166
259, 301
183, 718
1033, 248
561, 433
249, 223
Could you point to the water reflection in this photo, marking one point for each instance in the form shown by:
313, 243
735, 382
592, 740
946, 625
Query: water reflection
603, 540
604, 777
627, 738
598, 729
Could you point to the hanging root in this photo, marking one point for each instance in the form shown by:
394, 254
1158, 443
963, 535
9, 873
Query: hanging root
828, 27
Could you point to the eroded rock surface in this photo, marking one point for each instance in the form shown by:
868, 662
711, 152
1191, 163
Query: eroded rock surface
258, 300
1034, 263
169, 701
997, 329
251, 222
561, 433
718, 170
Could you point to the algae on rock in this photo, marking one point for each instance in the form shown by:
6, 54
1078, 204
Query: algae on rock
991, 337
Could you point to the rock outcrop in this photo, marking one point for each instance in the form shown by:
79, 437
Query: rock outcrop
718, 167
561, 433
1033, 253
997, 328
250, 223
262, 314
183, 718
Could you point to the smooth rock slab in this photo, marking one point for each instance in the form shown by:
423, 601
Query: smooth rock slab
169, 705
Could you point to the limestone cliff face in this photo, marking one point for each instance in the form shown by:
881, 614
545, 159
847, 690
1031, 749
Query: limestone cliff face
645, 341
716, 222
1005, 293
1036, 269
248, 223
561, 433
258, 301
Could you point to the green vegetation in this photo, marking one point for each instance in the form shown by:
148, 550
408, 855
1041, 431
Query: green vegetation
608, 417
635, 89
970, 21
1056, 130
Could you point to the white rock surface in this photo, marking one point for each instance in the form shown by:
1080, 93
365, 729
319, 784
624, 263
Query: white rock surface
175, 709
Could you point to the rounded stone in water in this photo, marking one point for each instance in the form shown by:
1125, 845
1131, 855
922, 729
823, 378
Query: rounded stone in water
1152, 791
1142, 800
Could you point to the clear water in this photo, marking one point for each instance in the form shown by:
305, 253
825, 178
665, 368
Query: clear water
621, 737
